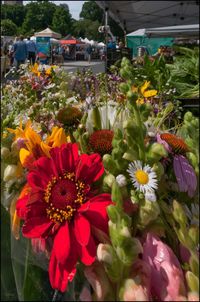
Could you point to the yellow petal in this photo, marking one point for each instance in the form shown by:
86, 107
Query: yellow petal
15, 220
140, 101
45, 148
33, 138
16, 226
134, 89
23, 153
144, 87
150, 93
57, 137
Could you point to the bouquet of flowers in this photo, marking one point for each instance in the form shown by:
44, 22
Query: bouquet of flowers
104, 202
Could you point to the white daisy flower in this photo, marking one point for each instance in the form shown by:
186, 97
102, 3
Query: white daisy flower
144, 178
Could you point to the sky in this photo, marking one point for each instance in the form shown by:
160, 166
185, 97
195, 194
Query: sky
75, 7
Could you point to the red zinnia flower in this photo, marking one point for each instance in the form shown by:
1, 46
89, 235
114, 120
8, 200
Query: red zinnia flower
60, 207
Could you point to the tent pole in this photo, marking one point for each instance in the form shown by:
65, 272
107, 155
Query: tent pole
106, 38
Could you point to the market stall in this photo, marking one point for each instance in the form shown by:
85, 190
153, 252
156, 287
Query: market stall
74, 48
44, 42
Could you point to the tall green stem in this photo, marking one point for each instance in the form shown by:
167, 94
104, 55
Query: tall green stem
139, 124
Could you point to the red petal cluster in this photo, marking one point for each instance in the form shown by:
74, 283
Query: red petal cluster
73, 239
176, 143
100, 141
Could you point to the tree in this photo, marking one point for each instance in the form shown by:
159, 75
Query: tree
39, 16
8, 28
87, 29
15, 13
91, 11
62, 20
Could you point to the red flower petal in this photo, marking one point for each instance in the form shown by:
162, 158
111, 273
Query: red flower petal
58, 275
43, 168
89, 168
36, 227
61, 245
36, 181
81, 230
55, 161
96, 212
69, 156
88, 253
36, 210
21, 206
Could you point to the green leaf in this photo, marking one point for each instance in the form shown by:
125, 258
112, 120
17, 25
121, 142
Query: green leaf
8, 287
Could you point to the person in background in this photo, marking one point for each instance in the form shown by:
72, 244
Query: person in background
32, 50
20, 52
89, 52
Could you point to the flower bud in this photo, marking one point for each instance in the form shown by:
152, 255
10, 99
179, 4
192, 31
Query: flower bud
132, 291
179, 213
116, 195
109, 179
4, 152
131, 96
192, 281
10, 172
125, 232
156, 152
124, 87
113, 213
193, 296
104, 253
96, 118
121, 180
148, 212
158, 169
109, 163
150, 196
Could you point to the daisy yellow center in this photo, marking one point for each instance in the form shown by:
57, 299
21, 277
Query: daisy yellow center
142, 177
63, 196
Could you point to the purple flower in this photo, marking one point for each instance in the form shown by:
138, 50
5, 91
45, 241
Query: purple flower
185, 175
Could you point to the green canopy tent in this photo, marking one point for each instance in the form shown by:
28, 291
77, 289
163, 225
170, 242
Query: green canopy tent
139, 38
153, 38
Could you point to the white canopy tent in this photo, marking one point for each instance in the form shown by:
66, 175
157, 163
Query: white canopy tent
169, 31
133, 15
48, 33
52, 40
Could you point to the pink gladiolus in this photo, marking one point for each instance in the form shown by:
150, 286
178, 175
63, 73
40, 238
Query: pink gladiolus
166, 274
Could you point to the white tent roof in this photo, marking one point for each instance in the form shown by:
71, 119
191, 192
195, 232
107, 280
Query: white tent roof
139, 32
170, 31
133, 15
48, 33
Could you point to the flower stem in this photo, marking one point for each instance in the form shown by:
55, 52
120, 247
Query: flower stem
57, 296
139, 124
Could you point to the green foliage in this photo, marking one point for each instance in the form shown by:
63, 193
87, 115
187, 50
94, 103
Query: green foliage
8, 28
15, 13
8, 288
39, 16
185, 72
91, 11
62, 21
87, 28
